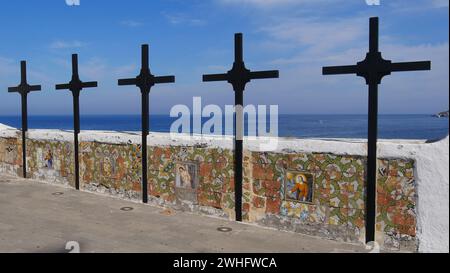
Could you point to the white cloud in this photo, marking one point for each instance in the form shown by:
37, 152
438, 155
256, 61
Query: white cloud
131, 23
67, 44
94, 69
318, 33
303, 89
7, 66
316, 39
283, 3
262, 2
440, 3
179, 18
418, 6
308, 44
124, 70
98, 69
277, 3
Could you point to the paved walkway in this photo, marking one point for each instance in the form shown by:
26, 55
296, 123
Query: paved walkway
33, 219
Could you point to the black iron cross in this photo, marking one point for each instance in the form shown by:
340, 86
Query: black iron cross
238, 77
23, 89
145, 81
373, 69
75, 86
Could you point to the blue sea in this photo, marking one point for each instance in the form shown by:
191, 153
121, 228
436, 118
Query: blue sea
301, 126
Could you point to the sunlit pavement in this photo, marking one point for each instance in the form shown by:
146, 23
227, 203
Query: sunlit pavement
38, 217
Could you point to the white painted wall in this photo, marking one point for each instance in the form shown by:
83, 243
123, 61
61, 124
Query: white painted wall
432, 165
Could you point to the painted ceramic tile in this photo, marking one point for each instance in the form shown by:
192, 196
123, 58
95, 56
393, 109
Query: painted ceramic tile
338, 216
396, 215
9, 151
356, 200
186, 181
210, 199
339, 199
259, 187
318, 214
295, 210
356, 218
299, 187
322, 196
186, 175
383, 167
273, 205
401, 167
227, 201
258, 202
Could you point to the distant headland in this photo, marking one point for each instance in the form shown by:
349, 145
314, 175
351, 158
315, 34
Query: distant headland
441, 115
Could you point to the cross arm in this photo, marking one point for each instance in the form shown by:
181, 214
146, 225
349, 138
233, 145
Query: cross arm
19, 89
165, 79
69, 86
62, 86
411, 66
215, 77
13, 89
335, 70
35, 88
264, 74
89, 84
127, 82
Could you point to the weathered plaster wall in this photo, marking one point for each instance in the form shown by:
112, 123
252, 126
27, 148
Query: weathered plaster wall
412, 203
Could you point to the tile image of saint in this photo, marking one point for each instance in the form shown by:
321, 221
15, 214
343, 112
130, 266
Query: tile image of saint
299, 187
48, 159
185, 176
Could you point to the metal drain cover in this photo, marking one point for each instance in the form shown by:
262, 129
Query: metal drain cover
126, 209
224, 229
57, 193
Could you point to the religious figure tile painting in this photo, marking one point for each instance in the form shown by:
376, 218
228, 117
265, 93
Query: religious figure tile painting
299, 187
48, 159
186, 175
186, 181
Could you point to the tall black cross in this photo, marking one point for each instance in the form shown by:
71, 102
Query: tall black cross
238, 77
145, 81
23, 89
75, 86
373, 69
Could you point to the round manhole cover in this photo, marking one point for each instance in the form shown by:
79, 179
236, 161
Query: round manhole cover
224, 229
57, 193
126, 209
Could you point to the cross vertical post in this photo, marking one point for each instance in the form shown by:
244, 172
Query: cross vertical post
373, 69
145, 81
75, 86
238, 77
23, 89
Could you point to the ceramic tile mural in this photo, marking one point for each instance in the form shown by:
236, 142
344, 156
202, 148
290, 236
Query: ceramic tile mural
115, 169
186, 181
10, 156
396, 203
316, 193
299, 187
211, 172
51, 160
9, 152
339, 189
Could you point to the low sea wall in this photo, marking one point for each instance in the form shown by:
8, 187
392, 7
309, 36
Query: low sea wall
195, 173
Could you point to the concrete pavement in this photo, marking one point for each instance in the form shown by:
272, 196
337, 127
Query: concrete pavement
34, 219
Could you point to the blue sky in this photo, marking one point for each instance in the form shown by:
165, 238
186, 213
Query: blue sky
191, 37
